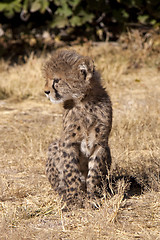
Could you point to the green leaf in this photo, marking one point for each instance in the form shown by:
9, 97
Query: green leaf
125, 14
26, 5
85, 16
143, 19
74, 3
35, 6
59, 22
153, 22
10, 7
2, 6
75, 21
44, 5
57, 2
64, 10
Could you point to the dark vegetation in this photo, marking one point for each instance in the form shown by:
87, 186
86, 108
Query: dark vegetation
41, 24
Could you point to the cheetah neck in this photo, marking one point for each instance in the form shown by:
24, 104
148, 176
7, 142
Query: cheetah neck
93, 92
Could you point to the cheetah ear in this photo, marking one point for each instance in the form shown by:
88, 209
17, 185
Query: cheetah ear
87, 69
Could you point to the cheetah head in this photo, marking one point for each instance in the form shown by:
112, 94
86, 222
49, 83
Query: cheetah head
68, 76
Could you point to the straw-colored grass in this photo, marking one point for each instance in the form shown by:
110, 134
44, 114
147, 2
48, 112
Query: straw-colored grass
29, 209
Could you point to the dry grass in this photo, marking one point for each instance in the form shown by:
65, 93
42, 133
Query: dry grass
29, 209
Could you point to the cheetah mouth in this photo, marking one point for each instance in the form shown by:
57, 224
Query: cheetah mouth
55, 100
58, 98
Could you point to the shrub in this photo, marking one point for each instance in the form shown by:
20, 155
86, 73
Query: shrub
95, 15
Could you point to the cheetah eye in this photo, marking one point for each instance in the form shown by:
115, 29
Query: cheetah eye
56, 80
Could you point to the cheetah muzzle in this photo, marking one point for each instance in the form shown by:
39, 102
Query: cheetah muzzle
81, 158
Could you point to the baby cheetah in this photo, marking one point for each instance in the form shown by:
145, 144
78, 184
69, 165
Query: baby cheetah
80, 159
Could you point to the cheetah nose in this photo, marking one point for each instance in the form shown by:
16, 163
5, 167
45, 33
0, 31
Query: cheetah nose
47, 92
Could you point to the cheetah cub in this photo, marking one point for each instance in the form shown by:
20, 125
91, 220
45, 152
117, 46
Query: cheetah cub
81, 158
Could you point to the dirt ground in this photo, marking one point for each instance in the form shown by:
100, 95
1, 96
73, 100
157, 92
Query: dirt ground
29, 209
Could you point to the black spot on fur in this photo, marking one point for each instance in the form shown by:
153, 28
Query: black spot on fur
93, 171
72, 179
67, 165
78, 128
49, 178
74, 160
93, 180
69, 175
64, 154
76, 171
97, 129
73, 134
72, 154
63, 191
97, 159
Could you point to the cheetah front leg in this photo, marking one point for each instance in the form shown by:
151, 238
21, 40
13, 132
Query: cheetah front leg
72, 173
63, 170
98, 166
53, 171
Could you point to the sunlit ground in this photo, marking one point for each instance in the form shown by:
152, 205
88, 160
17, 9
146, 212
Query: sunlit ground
29, 209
